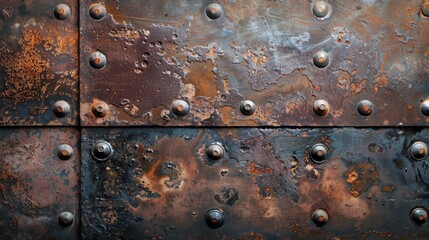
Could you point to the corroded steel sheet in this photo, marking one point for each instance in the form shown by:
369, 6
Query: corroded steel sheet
38, 62
160, 51
158, 183
36, 185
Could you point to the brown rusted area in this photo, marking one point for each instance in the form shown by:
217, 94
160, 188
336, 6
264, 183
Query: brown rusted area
362, 177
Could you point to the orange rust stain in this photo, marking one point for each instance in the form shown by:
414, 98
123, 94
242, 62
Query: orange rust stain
256, 169
381, 81
203, 78
361, 177
352, 177
388, 188
252, 236
226, 113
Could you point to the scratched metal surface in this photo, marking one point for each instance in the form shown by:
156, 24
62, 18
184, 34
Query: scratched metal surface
159, 183
38, 62
35, 185
159, 51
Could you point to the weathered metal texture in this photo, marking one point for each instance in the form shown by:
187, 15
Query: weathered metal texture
38, 63
159, 183
36, 185
161, 51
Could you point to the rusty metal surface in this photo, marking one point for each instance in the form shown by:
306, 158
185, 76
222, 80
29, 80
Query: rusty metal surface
36, 185
38, 62
159, 183
161, 51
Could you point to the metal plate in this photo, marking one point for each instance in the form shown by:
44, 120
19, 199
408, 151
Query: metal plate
159, 183
38, 63
160, 51
36, 186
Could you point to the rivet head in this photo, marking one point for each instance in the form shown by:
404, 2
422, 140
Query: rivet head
98, 60
97, 11
424, 108
365, 108
320, 9
66, 218
321, 59
247, 107
214, 11
62, 11
180, 108
215, 151
419, 150
419, 215
61, 108
102, 150
64, 152
100, 109
319, 153
320, 217
214, 218
425, 8
321, 107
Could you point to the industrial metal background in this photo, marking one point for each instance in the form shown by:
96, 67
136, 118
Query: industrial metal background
230, 119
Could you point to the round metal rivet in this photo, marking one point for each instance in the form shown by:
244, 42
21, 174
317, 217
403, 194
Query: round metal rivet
419, 150
102, 150
66, 218
321, 107
365, 108
215, 151
97, 11
214, 218
425, 8
180, 108
424, 108
64, 152
247, 107
419, 215
61, 108
319, 153
100, 109
98, 60
321, 59
214, 11
320, 9
62, 11
320, 217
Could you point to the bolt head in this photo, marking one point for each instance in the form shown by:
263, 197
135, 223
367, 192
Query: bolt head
66, 218
424, 107
180, 108
419, 215
321, 9
247, 107
319, 153
215, 151
214, 11
100, 109
102, 150
97, 60
97, 11
64, 152
62, 11
321, 107
61, 108
320, 217
425, 8
365, 108
214, 218
321, 59
419, 150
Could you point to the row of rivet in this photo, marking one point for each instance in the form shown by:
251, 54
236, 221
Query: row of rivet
65, 152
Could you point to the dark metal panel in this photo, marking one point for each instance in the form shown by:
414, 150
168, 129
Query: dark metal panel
158, 183
36, 185
157, 52
38, 62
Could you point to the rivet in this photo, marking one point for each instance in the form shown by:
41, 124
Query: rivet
425, 8
320, 9
424, 108
100, 109
62, 11
180, 108
365, 108
97, 11
97, 60
319, 153
214, 11
321, 107
419, 150
102, 150
215, 151
320, 217
64, 152
61, 108
419, 215
321, 59
66, 218
214, 218
247, 107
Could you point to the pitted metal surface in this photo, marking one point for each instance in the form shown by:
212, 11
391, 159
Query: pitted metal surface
161, 183
281, 55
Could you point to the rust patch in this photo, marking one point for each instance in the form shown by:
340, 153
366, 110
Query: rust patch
203, 78
361, 177
255, 169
